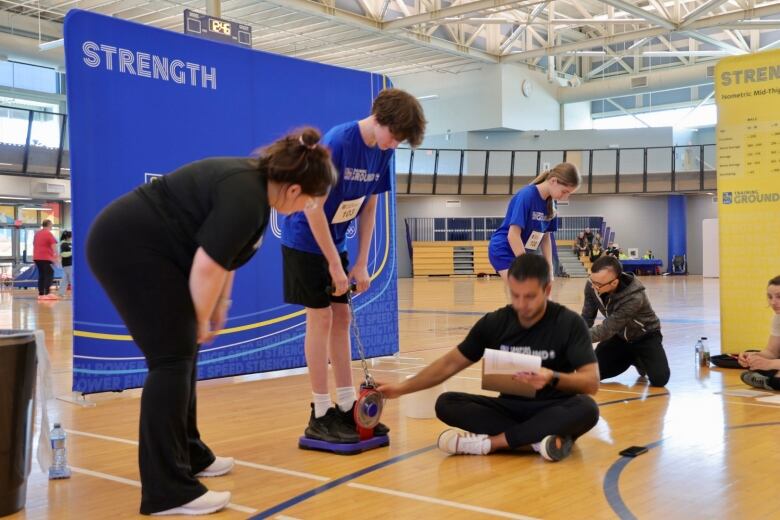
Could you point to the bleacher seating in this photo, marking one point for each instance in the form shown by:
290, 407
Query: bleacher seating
458, 245
572, 266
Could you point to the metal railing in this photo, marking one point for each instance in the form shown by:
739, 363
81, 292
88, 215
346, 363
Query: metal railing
33, 143
447, 229
655, 169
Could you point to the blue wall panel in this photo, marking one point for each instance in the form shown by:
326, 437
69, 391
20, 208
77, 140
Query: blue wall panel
146, 101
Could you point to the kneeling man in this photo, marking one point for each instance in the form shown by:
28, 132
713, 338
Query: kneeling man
630, 333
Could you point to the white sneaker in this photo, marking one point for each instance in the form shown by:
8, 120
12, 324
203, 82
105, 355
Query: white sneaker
555, 447
220, 466
463, 443
210, 502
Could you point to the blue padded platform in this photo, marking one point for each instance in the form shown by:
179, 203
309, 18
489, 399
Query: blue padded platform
351, 448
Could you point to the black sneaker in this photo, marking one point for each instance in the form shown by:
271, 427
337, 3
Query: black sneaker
349, 418
330, 428
755, 379
555, 447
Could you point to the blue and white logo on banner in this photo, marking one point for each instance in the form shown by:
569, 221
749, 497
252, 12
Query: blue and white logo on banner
144, 101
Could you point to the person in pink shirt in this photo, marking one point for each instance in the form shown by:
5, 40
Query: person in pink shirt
44, 255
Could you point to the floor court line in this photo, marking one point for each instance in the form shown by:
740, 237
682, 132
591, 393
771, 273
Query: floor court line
441, 502
640, 398
135, 483
290, 472
391, 370
622, 391
753, 404
405, 370
244, 463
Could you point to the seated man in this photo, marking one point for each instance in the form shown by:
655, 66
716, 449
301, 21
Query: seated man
765, 365
580, 246
588, 234
560, 411
631, 332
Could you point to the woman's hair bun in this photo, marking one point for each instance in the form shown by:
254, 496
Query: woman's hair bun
310, 137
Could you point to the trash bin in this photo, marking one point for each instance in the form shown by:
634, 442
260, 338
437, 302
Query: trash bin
17, 415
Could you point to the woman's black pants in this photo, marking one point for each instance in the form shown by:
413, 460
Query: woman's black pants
131, 253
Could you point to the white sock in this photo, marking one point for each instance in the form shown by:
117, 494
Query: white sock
537, 447
321, 404
346, 397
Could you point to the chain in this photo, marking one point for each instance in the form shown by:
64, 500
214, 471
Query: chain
369, 381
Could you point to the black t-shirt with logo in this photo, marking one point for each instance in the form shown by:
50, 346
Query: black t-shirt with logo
560, 338
220, 204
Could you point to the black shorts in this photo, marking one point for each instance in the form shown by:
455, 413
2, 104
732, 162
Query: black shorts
306, 276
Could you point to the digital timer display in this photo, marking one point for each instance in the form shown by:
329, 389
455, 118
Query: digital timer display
218, 26
207, 26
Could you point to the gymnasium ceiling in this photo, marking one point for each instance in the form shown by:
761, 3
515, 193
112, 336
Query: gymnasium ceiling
576, 40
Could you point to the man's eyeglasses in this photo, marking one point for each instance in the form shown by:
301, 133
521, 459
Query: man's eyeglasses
598, 285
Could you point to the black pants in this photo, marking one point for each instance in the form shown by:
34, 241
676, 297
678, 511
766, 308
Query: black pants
523, 421
616, 355
45, 276
147, 279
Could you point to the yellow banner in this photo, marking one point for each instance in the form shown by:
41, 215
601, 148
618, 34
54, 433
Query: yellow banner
747, 92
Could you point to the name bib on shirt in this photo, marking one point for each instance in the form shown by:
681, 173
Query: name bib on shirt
534, 240
347, 210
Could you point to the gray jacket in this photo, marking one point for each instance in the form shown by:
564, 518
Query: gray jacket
627, 311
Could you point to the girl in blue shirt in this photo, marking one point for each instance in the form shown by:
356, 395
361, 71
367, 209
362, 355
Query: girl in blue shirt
530, 218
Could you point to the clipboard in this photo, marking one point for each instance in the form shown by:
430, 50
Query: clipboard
505, 384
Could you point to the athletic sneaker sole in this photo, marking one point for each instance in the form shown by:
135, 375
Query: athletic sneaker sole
555, 448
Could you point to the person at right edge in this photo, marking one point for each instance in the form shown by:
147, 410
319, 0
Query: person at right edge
764, 366
630, 334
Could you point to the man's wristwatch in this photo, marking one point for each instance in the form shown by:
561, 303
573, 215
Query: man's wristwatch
556, 378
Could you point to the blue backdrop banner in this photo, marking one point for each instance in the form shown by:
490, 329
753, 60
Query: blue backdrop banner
144, 101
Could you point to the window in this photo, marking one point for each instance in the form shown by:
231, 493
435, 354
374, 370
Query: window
6, 242
33, 77
7, 214
706, 115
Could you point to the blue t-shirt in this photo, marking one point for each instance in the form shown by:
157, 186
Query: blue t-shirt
362, 171
528, 211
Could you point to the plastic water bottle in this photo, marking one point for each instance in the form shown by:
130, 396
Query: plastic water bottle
705, 352
699, 352
59, 467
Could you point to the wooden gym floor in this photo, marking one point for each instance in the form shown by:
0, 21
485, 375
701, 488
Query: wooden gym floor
711, 451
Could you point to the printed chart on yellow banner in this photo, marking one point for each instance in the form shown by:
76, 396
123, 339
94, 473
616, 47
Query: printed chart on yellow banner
747, 92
